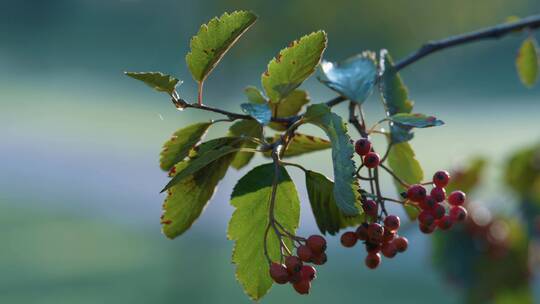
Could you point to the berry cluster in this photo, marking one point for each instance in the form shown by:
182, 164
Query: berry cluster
294, 270
434, 209
377, 239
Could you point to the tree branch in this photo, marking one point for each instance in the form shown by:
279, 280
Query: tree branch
495, 32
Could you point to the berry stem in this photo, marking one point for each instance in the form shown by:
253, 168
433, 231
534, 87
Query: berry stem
399, 180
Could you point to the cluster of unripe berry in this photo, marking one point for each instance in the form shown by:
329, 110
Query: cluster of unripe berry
377, 239
294, 270
434, 212
370, 159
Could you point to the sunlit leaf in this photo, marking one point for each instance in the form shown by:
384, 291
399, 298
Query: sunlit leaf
527, 62
214, 39
416, 120
404, 164
182, 141
205, 157
156, 80
249, 128
251, 200
302, 144
293, 65
289, 106
325, 210
186, 200
345, 187
260, 112
254, 95
353, 78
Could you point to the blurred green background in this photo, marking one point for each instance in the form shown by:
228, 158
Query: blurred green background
79, 174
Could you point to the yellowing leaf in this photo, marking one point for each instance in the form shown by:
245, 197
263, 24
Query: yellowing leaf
251, 200
527, 62
293, 65
186, 200
182, 141
214, 39
291, 105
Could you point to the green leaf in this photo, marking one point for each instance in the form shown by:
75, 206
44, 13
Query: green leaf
404, 164
260, 112
182, 141
156, 80
302, 144
522, 173
186, 200
214, 39
293, 65
325, 210
248, 128
251, 200
416, 120
345, 189
395, 97
527, 62
291, 105
353, 78
394, 92
225, 147
254, 95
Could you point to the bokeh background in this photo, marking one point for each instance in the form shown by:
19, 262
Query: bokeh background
79, 142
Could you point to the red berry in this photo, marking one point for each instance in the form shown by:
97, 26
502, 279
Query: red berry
426, 218
362, 146
371, 160
348, 239
388, 235
319, 259
456, 198
401, 244
416, 193
375, 232
293, 264
279, 273
373, 247
389, 250
441, 178
293, 278
427, 229
373, 260
445, 223
362, 232
391, 222
438, 211
316, 243
302, 286
304, 253
438, 194
308, 272
428, 203
458, 213
370, 207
